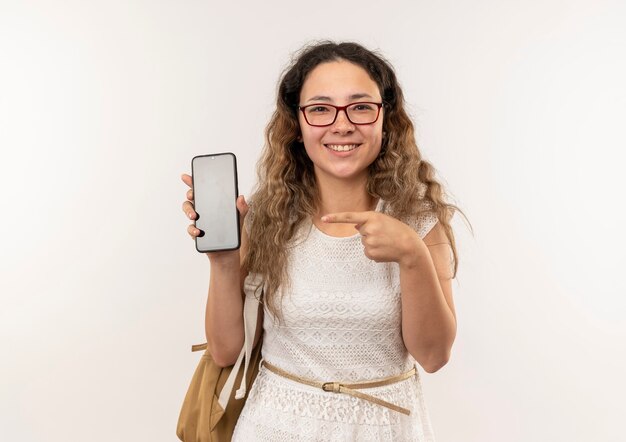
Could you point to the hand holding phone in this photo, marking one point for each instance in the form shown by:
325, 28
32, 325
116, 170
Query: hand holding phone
215, 190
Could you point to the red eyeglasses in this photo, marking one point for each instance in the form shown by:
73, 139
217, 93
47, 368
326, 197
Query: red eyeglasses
324, 114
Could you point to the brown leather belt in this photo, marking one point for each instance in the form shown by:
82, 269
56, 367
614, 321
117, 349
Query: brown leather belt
350, 389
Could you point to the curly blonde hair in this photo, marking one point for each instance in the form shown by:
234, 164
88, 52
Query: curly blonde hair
286, 191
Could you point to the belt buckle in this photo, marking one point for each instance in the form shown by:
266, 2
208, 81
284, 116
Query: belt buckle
331, 386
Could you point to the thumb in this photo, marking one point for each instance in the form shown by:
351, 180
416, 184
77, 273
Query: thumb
243, 208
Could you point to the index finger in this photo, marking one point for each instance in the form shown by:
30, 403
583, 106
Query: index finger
347, 217
186, 179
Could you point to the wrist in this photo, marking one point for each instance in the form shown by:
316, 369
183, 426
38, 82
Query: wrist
228, 258
414, 254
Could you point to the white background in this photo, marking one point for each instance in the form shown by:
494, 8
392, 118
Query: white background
519, 105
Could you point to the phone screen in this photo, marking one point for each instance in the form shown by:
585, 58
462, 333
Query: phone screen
215, 195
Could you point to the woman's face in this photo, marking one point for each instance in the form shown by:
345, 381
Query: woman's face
342, 150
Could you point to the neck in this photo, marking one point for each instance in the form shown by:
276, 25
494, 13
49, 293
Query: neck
339, 195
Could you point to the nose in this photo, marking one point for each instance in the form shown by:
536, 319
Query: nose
342, 124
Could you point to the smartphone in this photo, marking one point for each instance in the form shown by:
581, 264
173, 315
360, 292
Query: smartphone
215, 191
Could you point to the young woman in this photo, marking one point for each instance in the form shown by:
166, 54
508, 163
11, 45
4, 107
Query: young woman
351, 234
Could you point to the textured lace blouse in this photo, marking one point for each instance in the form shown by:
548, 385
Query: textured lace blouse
341, 322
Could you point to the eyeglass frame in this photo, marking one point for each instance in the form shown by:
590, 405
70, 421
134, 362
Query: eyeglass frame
345, 111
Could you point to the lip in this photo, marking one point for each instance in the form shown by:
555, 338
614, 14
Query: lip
342, 153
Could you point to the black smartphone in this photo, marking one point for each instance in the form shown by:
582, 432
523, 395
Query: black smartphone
215, 191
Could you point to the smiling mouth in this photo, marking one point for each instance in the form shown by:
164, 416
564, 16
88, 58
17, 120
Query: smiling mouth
342, 147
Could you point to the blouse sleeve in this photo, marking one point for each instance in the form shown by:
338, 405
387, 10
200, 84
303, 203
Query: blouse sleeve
425, 221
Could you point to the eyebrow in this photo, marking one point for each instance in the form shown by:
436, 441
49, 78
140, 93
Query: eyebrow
351, 97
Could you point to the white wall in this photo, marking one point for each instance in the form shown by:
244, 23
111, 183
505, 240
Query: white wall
519, 105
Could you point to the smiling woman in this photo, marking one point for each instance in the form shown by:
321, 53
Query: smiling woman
339, 146
344, 232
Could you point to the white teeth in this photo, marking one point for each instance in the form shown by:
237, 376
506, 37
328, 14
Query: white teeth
342, 147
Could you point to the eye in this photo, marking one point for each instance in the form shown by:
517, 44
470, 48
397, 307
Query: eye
362, 107
318, 108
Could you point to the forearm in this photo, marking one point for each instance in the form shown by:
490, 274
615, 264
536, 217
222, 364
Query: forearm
428, 323
224, 310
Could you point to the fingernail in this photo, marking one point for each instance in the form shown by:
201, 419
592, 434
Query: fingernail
324, 218
190, 215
